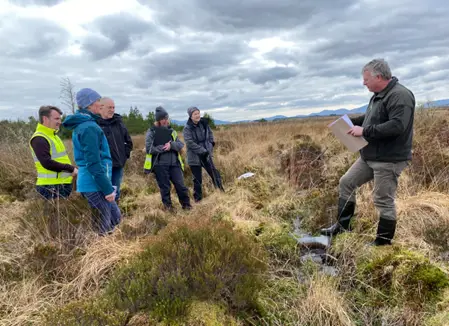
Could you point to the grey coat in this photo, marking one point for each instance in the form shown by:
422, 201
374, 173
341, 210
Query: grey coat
199, 139
161, 157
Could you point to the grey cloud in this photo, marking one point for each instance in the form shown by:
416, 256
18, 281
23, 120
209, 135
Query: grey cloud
192, 62
197, 52
23, 37
402, 28
272, 74
114, 34
235, 15
48, 3
283, 56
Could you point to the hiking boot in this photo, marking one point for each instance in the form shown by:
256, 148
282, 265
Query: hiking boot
345, 213
385, 232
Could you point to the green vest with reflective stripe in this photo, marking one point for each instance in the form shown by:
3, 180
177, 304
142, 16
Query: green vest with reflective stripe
149, 157
58, 153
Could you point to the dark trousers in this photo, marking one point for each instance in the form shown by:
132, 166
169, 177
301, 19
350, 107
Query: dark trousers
106, 215
55, 191
164, 174
116, 179
197, 171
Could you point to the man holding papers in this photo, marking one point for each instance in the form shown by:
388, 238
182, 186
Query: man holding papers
387, 126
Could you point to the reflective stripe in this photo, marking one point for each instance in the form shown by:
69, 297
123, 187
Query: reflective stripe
54, 175
47, 175
58, 155
54, 153
148, 158
52, 144
53, 157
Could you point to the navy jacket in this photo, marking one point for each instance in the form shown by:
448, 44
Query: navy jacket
120, 142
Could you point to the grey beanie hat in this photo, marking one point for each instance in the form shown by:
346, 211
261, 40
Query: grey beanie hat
160, 113
191, 110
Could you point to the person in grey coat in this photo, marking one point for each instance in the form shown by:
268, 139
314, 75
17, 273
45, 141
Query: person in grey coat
200, 144
387, 125
163, 158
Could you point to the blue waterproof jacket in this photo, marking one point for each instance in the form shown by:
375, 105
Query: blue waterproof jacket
91, 152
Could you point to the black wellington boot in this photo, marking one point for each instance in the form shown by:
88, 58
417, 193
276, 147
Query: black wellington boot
345, 213
385, 232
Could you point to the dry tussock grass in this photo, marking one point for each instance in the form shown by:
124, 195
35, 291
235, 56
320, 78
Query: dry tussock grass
263, 203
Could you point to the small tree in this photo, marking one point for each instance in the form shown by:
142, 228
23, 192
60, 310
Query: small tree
211, 120
151, 118
67, 94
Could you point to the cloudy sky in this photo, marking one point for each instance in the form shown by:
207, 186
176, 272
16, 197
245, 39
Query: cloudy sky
235, 59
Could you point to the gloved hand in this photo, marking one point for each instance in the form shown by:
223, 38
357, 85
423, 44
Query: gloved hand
204, 155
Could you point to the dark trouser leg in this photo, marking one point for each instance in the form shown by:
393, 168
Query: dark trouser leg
177, 178
358, 174
116, 179
197, 182
162, 173
386, 176
102, 212
65, 190
116, 215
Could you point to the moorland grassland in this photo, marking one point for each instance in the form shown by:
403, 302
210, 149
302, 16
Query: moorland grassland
232, 260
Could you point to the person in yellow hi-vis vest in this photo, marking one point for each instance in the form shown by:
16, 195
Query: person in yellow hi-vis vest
54, 169
163, 158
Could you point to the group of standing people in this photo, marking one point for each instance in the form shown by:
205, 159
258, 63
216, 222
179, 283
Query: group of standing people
101, 147
163, 156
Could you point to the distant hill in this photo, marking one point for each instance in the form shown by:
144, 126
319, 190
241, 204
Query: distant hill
338, 112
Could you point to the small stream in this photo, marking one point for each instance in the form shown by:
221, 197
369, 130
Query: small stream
314, 248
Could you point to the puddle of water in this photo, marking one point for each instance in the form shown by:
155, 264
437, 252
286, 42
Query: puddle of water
321, 241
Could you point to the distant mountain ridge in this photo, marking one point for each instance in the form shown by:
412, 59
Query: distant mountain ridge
359, 110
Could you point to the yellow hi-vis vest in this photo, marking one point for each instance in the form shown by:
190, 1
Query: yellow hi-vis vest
58, 153
148, 159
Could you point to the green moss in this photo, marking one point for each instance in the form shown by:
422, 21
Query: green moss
209, 314
285, 209
403, 276
128, 205
91, 312
277, 240
207, 261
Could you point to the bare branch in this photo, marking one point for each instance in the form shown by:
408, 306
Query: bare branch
67, 94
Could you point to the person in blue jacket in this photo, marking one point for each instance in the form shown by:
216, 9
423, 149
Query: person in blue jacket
93, 158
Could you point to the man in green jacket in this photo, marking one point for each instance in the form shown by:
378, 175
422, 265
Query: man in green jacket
387, 125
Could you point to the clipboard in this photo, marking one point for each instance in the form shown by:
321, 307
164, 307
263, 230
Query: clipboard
340, 128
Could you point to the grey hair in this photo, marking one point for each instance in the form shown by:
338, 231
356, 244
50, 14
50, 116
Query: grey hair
106, 99
378, 67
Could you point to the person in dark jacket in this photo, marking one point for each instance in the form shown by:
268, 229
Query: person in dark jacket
200, 144
387, 125
164, 159
93, 158
119, 140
